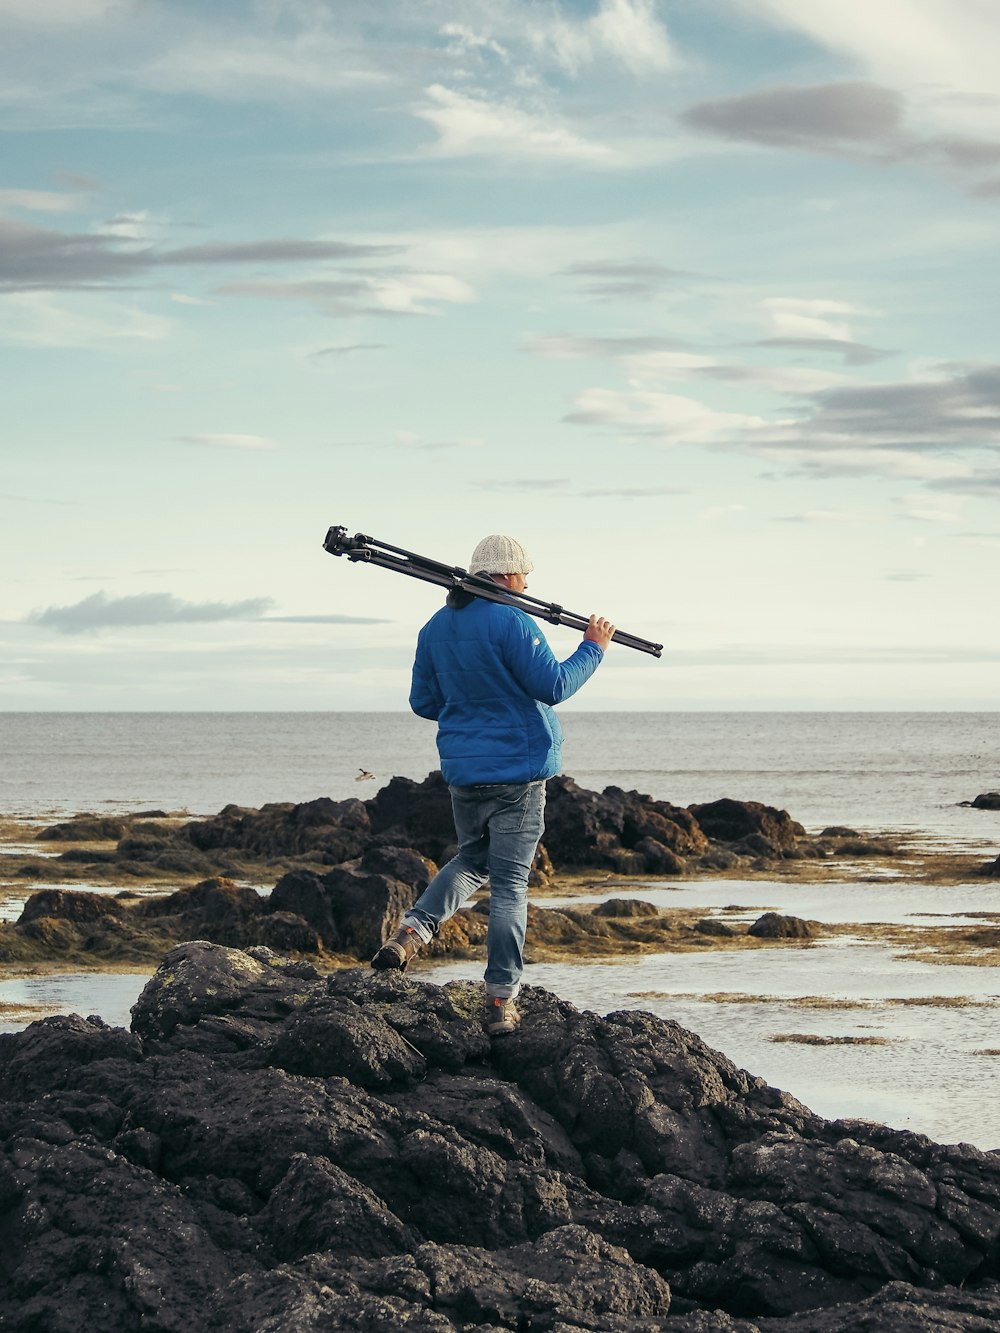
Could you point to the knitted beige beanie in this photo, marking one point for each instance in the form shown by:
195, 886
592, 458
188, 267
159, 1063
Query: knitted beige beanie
498, 554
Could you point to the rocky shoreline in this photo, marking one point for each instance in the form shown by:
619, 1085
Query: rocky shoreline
272, 1148
326, 880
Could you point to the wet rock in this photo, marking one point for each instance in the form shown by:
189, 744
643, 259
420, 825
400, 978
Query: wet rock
85, 828
405, 864
711, 925
991, 869
625, 907
215, 909
587, 828
328, 830
866, 847
774, 926
273, 1149
761, 829
989, 800
351, 912
414, 814
72, 905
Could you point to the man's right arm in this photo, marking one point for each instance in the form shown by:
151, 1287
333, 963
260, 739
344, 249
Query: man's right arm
535, 668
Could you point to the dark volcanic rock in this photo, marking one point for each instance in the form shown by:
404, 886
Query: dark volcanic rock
759, 829
85, 828
271, 1149
350, 911
774, 926
987, 800
623, 831
414, 814
333, 831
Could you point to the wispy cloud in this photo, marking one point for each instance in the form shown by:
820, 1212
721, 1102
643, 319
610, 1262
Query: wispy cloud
227, 441
856, 119
924, 430
624, 279
470, 126
831, 117
347, 349
667, 418
853, 353
43, 319
99, 611
571, 347
390, 293
33, 257
41, 201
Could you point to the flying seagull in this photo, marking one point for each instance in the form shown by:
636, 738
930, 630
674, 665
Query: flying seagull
364, 775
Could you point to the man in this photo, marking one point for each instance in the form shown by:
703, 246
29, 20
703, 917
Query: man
485, 674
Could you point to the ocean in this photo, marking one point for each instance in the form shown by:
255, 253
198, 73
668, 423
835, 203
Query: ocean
866, 770
913, 1042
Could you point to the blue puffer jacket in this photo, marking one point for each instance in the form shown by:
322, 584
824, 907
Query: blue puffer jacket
487, 676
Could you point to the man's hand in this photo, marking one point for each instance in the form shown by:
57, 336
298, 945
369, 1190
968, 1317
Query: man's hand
599, 631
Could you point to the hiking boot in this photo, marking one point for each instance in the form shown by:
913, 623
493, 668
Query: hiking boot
397, 952
501, 1016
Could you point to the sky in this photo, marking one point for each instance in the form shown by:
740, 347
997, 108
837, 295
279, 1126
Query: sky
696, 298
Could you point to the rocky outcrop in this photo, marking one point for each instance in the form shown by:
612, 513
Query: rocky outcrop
987, 800
748, 826
625, 832
775, 926
269, 1149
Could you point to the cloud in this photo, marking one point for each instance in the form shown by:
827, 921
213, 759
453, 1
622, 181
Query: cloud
324, 620
831, 117
916, 429
853, 353
668, 418
948, 48
58, 13
626, 31
623, 279
39, 319
99, 612
569, 347
229, 441
41, 201
854, 119
474, 126
348, 349
33, 257
398, 293
689, 365
810, 317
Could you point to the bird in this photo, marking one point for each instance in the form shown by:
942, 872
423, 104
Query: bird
364, 775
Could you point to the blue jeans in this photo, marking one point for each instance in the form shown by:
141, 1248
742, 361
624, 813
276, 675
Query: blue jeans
498, 827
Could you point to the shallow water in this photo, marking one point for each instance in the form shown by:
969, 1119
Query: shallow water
931, 1077
108, 994
835, 903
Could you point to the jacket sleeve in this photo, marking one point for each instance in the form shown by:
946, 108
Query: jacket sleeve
426, 699
533, 665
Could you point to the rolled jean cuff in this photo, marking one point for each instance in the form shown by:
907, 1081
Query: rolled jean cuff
503, 992
421, 928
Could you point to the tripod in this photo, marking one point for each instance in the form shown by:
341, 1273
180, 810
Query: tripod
370, 551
